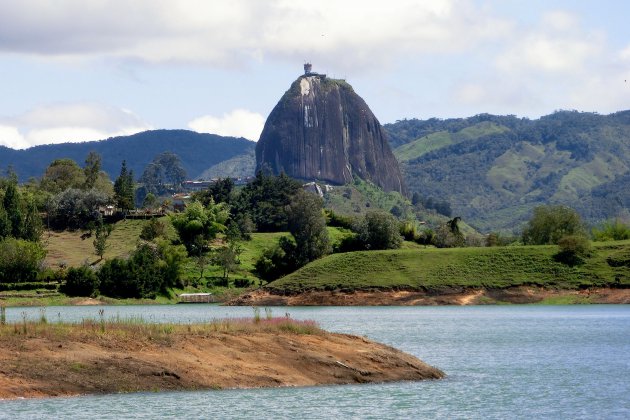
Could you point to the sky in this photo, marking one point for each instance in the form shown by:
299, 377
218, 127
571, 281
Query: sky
81, 70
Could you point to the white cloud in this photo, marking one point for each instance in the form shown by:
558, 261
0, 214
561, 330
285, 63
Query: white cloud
62, 123
237, 123
349, 33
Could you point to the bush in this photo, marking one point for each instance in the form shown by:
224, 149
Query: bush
28, 286
379, 230
276, 261
152, 269
338, 220
81, 281
550, 223
155, 228
20, 260
612, 230
408, 231
573, 249
241, 283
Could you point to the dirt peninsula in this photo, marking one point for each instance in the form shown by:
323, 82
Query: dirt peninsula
52, 360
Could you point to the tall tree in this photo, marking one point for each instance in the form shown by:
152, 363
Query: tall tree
92, 169
198, 224
124, 189
13, 208
307, 224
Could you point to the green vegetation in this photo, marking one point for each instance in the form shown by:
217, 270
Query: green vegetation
198, 152
550, 224
493, 170
612, 230
434, 269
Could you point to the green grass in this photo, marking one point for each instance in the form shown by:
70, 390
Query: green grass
69, 249
440, 139
434, 269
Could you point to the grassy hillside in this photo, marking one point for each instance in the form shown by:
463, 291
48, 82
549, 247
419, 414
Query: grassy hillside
435, 269
69, 249
440, 139
493, 170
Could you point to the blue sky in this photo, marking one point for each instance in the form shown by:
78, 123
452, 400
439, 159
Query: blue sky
85, 70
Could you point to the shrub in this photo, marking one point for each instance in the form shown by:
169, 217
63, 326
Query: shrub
612, 230
550, 223
20, 260
276, 261
573, 249
155, 228
152, 269
408, 231
80, 281
379, 230
339, 220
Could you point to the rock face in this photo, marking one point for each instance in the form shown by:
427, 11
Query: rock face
322, 130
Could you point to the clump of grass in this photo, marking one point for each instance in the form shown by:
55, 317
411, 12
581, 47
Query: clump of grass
3, 315
42, 316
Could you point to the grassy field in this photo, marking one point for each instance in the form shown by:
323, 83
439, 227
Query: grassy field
68, 248
435, 269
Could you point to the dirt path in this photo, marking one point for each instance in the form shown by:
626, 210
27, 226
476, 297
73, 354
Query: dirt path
109, 363
460, 296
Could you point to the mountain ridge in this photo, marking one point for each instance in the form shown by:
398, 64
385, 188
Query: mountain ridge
507, 165
198, 152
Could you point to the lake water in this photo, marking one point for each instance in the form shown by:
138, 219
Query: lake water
501, 361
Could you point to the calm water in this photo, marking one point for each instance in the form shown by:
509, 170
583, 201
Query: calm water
502, 362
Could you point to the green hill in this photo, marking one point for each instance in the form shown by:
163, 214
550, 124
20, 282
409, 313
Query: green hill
433, 269
494, 170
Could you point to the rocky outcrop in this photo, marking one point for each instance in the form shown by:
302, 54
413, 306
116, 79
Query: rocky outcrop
322, 130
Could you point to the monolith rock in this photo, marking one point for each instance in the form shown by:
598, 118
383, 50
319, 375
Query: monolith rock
322, 130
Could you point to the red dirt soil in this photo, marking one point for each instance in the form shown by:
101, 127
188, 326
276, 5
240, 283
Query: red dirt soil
520, 294
41, 366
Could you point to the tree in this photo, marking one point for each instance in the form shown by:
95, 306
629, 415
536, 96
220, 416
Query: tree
13, 208
20, 260
198, 224
74, 208
163, 173
32, 227
265, 200
378, 230
149, 201
227, 257
124, 189
62, 174
80, 281
101, 233
550, 223
220, 191
155, 228
91, 170
307, 224
448, 235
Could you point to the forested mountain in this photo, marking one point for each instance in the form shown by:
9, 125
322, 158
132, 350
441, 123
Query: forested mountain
197, 152
494, 169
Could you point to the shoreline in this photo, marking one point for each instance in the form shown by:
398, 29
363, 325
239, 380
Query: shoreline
67, 360
448, 296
